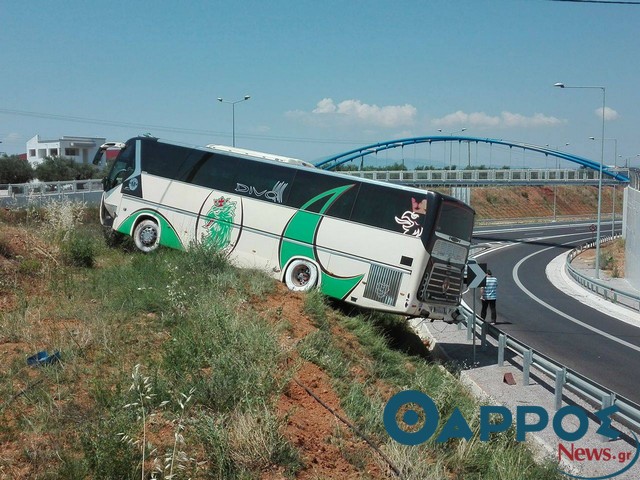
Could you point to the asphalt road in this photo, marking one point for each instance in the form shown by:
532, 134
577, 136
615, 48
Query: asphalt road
532, 310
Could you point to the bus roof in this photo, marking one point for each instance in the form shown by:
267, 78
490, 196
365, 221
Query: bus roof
262, 155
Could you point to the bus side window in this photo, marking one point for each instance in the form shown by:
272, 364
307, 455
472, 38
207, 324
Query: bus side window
192, 164
215, 171
390, 209
163, 159
310, 184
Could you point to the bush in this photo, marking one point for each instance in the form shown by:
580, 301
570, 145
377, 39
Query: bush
79, 251
15, 170
54, 169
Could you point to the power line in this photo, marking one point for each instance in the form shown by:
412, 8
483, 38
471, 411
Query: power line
618, 2
146, 126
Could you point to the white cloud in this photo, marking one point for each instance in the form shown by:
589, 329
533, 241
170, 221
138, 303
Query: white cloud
325, 105
504, 120
354, 112
357, 113
609, 113
537, 120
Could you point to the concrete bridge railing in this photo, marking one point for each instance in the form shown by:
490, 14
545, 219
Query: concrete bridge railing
488, 177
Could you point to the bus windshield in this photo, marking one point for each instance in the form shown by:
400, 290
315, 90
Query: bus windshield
122, 167
455, 220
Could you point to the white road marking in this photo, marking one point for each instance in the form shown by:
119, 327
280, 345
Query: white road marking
543, 303
562, 314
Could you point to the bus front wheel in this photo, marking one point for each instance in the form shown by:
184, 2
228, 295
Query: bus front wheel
301, 276
147, 236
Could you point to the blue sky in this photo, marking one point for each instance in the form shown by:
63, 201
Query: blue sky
324, 77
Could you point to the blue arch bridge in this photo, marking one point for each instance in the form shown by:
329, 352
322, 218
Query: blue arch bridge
587, 172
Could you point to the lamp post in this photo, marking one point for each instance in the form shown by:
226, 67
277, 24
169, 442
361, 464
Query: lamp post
598, 224
233, 115
613, 198
627, 160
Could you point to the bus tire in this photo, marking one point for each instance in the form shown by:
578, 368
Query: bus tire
146, 236
301, 276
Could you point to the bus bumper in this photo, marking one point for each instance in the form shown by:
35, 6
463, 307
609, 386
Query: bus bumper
451, 315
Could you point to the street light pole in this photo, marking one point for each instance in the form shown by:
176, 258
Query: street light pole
233, 115
598, 225
613, 198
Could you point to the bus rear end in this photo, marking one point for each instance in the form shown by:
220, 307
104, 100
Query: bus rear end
447, 239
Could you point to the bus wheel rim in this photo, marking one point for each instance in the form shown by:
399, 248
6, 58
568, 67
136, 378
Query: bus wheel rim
301, 275
148, 236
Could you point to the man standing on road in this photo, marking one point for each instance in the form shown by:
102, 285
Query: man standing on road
488, 295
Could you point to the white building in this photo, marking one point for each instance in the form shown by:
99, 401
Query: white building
79, 149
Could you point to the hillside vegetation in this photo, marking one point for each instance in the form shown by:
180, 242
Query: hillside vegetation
175, 365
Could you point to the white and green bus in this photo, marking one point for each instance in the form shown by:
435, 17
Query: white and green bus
373, 244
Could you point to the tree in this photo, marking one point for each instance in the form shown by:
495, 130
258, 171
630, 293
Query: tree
15, 170
385, 168
54, 169
86, 171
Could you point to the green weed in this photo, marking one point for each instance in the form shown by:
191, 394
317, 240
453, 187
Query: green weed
78, 250
318, 347
316, 308
29, 267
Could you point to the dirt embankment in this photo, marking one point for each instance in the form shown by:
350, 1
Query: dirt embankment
538, 202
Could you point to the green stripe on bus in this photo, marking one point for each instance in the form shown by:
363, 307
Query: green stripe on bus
303, 227
168, 236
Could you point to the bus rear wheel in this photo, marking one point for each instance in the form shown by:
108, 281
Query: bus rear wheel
147, 236
301, 276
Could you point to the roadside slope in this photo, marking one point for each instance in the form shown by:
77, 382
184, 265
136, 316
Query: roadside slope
172, 361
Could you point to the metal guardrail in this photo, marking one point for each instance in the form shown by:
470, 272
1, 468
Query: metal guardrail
612, 294
489, 177
24, 194
591, 391
48, 188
